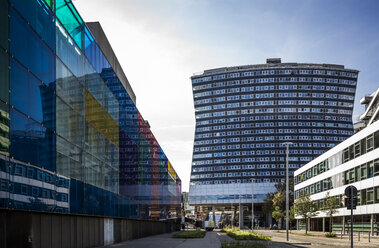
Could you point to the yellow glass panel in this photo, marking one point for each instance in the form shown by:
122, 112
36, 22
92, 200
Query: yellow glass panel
171, 170
99, 118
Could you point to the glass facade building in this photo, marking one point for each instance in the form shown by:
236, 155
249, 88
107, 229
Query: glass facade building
353, 162
71, 137
244, 114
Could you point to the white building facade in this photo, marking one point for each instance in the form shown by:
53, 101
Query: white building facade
353, 162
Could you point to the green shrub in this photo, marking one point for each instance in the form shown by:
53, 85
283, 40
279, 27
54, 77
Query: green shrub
243, 245
238, 234
190, 234
330, 235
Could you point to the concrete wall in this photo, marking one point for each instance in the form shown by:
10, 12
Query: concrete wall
40, 230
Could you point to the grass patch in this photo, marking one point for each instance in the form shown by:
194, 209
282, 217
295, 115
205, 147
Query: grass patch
306, 234
238, 234
198, 234
243, 245
330, 235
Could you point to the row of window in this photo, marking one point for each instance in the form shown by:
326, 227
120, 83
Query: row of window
275, 72
234, 181
278, 95
270, 102
250, 146
295, 135
273, 110
364, 197
240, 174
283, 117
238, 167
276, 87
272, 95
361, 147
258, 131
252, 159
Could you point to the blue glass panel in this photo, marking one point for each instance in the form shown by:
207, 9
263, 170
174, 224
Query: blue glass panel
88, 39
26, 92
40, 17
96, 57
27, 48
31, 142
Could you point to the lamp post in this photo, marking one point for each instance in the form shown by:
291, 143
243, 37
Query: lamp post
287, 144
252, 204
240, 220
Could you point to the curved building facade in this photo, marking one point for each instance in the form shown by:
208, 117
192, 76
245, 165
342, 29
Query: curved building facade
244, 114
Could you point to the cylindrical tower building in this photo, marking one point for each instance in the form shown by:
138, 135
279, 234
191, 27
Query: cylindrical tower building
244, 114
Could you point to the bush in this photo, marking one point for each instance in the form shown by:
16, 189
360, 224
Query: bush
238, 234
330, 235
190, 234
243, 245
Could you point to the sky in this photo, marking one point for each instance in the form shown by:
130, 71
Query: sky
161, 43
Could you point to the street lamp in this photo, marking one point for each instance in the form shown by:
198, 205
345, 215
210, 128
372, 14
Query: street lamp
240, 220
252, 204
287, 144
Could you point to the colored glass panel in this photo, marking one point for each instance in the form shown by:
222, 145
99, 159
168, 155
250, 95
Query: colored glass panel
4, 76
100, 119
171, 171
30, 51
38, 15
4, 129
4, 24
26, 92
70, 19
31, 142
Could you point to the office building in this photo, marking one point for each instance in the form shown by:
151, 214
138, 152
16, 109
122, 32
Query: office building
79, 166
353, 162
244, 114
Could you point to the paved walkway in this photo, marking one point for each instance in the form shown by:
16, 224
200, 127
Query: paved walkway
318, 240
210, 240
215, 239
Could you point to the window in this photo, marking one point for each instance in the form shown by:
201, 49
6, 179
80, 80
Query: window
376, 194
376, 167
370, 142
363, 171
370, 196
376, 139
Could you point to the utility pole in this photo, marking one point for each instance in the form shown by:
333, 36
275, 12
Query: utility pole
287, 189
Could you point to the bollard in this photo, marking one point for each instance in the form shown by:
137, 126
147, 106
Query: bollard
359, 236
341, 233
369, 236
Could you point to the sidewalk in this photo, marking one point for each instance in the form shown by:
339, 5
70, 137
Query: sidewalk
166, 241
318, 239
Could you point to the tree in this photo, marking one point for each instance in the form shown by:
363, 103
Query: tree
330, 207
304, 207
279, 207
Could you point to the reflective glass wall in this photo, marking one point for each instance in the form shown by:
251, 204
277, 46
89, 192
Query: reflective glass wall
71, 138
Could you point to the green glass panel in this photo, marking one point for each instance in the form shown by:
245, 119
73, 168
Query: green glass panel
4, 129
48, 2
4, 76
4, 24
